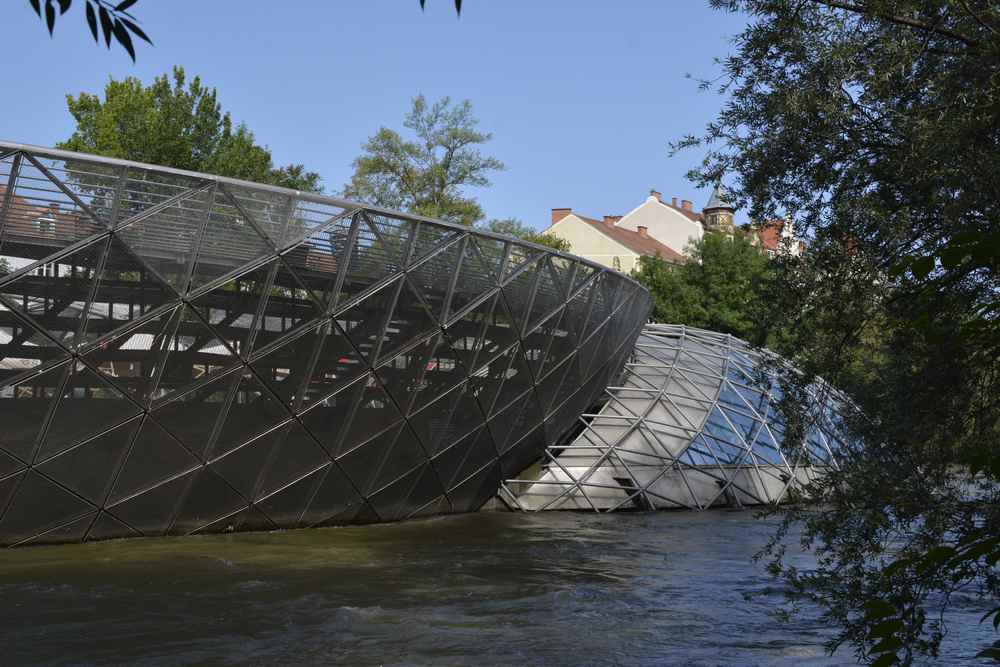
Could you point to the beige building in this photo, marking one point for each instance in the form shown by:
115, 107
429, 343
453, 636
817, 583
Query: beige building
654, 227
606, 242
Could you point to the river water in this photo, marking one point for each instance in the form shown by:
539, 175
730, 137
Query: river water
477, 589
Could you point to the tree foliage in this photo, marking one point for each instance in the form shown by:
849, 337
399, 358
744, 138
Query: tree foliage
876, 122
428, 173
179, 124
115, 22
517, 229
109, 20
720, 287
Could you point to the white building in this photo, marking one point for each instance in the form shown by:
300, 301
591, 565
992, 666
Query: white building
653, 227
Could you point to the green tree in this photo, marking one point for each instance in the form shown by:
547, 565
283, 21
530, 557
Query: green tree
517, 229
114, 20
178, 124
116, 23
427, 174
720, 287
876, 122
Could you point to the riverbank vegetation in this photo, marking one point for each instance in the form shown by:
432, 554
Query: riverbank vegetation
875, 124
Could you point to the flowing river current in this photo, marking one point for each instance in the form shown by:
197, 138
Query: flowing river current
478, 589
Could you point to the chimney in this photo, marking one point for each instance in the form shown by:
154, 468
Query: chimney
643, 231
654, 193
610, 220
673, 202
560, 213
685, 204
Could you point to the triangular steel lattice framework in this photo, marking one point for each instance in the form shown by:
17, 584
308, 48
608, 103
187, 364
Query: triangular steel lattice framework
184, 353
694, 423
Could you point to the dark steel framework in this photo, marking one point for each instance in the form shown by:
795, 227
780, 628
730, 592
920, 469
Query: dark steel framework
185, 353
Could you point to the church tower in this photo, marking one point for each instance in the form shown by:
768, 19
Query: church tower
718, 212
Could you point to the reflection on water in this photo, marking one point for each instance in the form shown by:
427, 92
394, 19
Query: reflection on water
489, 588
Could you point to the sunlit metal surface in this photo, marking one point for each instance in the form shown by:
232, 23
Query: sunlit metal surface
696, 422
184, 353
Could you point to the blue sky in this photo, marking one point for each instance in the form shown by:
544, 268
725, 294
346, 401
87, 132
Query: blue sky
582, 97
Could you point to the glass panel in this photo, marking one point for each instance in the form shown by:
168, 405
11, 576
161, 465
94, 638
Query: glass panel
375, 256
24, 349
106, 527
426, 488
191, 417
410, 320
42, 219
194, 354
132, 359
89, 468
476, 276
389, 502
516, 380
252, 410
296, 455
286, 506
23, 408
166, 240
243, 466
405, 454
327, 418
208, 499
431, 237
518, 293
311, 217
88, 406
231, 309
518, 256
145, 189
228, 242
432, 278
289, 307
337, 363
268, 210
365, 322
39, 506
362, 463
316, 261
126, 291
403, 375
150, 512
465, 457
335, 496
447, 420
524, 453
374, 412
54, 295
549, 295
470, 494
154, 457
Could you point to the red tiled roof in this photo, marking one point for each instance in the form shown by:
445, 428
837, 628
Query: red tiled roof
768, 234
690, 215
634, 241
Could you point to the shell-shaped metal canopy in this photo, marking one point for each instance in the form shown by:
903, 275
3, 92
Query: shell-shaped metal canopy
697, 421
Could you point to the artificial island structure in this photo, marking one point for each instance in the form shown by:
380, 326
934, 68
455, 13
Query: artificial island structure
184, 353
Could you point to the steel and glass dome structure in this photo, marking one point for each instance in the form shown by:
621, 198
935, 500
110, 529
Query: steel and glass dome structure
695, 422
185, 353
